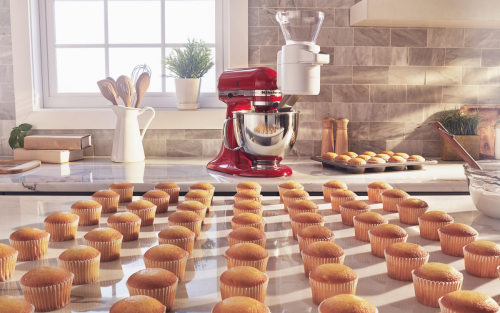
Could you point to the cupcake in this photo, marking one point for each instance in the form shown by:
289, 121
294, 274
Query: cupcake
402, 258
199, 195
482, 258
11, 304
364, 157
284, 187
168, 257
415, 158
108, 199
248, 185
403, 155
346, 304
31, 243
247, 195
342, 159
247, 254
329, 156
431, 221
302, 206
434, 280
351, 154
240, 304
321, 252
178, 236
383, 236
204, 186
349, 210
303, 220
364, 222
243, 281
328, 280
138, 304
108, 241
48, 288
376, 189
61, 226
248, 206
369, 153
388, 152
144, 209
248, 220
294, 195
88, 211
396, 159
156, 283
390, 199
195, 207
8, 257
467, 301
454, 237
128, 224
410, 210
356, 161
247, 234
376, 160
83, 262
172, 189
312, 234
124, 189
384, 157
339, 197
331, 186
190, 220
159, 198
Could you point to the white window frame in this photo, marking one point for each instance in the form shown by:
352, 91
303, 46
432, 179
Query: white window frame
30, 89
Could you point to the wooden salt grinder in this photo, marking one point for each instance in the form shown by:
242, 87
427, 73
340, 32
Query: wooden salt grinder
327, 139
342, 145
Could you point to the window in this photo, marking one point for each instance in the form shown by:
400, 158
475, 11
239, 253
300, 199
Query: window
84, 41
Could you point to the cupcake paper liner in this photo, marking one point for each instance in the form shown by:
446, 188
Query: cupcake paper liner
293, 212
409, 215
259, 225
240, 211
31, 250
257, 199
130, 231
201, 213
297, 227
258, 264
178, 267
85, 271
109, 205
327, 191
88, 217
304, 242
195, 227
125, 194
480, 265
258, 292
62, 232
172, 192
147, 215
428, 292
260, 242
8, 267
453, 245
287, 201
347, 215
311, 262
110, 250
338, 201
429, 230
322, 291
401, 268
49, 298
161, 203
374, 194
206, 201
379, 244
258, 190
361, 229
185, 243
165, 295
390, 204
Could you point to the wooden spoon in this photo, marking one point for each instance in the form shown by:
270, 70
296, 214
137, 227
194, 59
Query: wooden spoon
108, 91
113, 82
141, 86
125, 88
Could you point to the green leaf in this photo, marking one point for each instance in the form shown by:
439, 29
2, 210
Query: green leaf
193, 60
13, 140
20, 140
25, 127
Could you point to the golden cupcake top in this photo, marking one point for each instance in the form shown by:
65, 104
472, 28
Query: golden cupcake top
466, 301
388, 231
329, 155
388, 152
291, 185
370, 218
335, 184
395, 193
356, 161
401, 154
123, 217
483, 248
355, 205
197, 193
351, 154
248, 185
176, 232
191, 206
61, 218
243, 277
296, 193
436, 216
184, 217
250, 205
376, 160
383, 156
103, 234
303, 205
86, 205
316, 232
308, 218
11, 304
45, 276
166, 252
406, 250
379, 185
396, 159
247, 234
247, 194
346, 303
202, 186
152, 278
438, 272
6, 251
458, 230
156, 194
136, 304
121, 185
140, 205
247, 251
167, 185
333, 273
364, 157
412, 203
342, 158
247, 218
79, 253
28, 233
240, 305
369, 153
323, 249
343, 193
105, 193
416, 158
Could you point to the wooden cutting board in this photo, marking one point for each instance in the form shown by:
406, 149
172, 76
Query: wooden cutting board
486, 131
17, 166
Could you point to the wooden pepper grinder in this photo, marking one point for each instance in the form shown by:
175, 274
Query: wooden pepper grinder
342, 143
327, 140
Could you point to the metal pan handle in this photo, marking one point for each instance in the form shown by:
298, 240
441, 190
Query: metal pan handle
224, 135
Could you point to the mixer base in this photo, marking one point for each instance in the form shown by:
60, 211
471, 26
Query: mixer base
283, 170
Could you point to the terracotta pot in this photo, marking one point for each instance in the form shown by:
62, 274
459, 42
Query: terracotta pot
471, 144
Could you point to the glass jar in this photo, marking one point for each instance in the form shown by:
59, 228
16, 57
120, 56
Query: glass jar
484, 187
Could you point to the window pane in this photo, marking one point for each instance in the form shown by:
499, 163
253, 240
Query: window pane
79, 69
134, 21
193, 19
123, 60
79, 22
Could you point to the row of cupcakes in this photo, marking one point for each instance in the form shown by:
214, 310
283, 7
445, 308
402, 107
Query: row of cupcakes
371, 157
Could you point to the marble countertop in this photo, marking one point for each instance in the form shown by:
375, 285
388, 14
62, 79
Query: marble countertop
92, 174
288, 291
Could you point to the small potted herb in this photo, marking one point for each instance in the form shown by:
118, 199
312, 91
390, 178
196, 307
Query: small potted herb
464, 126
16, 139
497, 138
188, 64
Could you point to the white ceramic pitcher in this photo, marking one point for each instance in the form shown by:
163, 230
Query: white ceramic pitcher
127, 146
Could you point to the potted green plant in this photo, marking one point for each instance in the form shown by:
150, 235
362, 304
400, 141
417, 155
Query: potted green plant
464, 126
188, 64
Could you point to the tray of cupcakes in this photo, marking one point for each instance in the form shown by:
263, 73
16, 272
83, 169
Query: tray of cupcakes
370, 161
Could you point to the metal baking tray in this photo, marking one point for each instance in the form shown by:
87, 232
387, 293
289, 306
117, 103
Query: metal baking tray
360, 169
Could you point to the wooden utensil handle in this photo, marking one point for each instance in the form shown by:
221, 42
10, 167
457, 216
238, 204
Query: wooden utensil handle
456, 146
